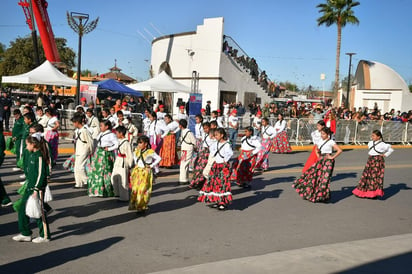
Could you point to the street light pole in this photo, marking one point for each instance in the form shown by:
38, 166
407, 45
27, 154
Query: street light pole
78, 22
348, 88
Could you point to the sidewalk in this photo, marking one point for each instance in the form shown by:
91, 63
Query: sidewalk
380, 255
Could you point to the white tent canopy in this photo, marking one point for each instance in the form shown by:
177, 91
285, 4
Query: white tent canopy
45, 74
162, 83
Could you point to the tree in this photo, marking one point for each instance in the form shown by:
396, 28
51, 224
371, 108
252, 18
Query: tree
2, 50
339, 13
18, 58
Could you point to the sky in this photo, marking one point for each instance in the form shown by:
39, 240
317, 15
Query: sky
282, 35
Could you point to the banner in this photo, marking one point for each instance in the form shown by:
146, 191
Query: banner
195, 105
89, 92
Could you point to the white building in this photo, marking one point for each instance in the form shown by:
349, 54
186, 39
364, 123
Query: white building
377, 83
220, 76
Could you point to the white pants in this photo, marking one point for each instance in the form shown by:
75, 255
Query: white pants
184, 166
80, 175
120, 182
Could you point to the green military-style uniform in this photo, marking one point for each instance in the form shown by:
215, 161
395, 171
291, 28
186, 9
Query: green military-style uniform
4, 198
17, 134
36, 170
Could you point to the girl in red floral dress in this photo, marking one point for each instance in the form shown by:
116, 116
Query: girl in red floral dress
371, 183
217, 189
281, 142
314, 184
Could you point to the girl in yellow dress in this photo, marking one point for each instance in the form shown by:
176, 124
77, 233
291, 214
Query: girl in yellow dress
142, 179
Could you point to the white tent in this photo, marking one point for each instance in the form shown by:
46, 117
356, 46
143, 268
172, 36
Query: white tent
162, 83
45, 74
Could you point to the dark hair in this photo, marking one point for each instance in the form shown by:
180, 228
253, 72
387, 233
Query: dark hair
89, 110
28, 108
40, 145
250, 129
122, 130
212, 131
322, 123
79, 118
222, 131
50, 111
200, 117
215, 112
16, 112
327, 131
183, 123
213, 123
206, 124
38, 128
30, 116
280, 115
378, 133
80, 109
107, 123
265, 119
106, 110
143, 139
39, 108
168, 116
119, 112
153, 114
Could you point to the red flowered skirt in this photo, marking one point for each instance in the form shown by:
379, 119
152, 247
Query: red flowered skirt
217, 188
313, 158
371, 183
281, 143
198, 179
168, 151
242, 168
314, 184
262, 160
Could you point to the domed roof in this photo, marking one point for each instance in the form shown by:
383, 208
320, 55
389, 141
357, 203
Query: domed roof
378, 76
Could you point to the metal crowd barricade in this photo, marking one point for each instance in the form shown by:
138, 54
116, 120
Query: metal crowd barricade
304, 129
345, 131
393, 131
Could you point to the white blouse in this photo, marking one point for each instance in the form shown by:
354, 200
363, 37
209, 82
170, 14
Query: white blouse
160, 115
222, 152
208, 142
199, 131
151, 159
379, 148
182, 116
173, 126
251, 143
316, 137
233, 120
146, 124
257, 122
51, 123
156, 127
107, 139
326, 146
268, 132
280, 126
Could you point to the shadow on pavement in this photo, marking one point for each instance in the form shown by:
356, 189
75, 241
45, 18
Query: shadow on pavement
338, 195
91, 226
55, 258
341, 176
393, 189
396, 264
173, 204
257, 197
286, 166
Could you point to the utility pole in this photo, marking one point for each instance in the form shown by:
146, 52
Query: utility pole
348, 90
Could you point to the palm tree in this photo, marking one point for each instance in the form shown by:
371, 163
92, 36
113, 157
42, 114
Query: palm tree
337, 12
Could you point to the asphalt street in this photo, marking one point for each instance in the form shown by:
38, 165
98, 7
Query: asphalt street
267, 229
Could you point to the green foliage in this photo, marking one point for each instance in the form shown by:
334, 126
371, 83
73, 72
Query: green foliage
410, 88
19, 57
289, 86
337, 12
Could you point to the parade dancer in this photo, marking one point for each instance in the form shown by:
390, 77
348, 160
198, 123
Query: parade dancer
83, 149
36, 164
217, 189
199, 135
132, 132
17, 135
155, 131
198, 179
92, 123
316, 138
188, 143
281, 143
215, 117
268, 133
371, 183
168, 151
211, 158
242, 168
52, 135
314, 184
142, 177
101, 164
122, 166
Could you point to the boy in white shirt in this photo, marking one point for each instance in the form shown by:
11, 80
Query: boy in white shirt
188, 141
